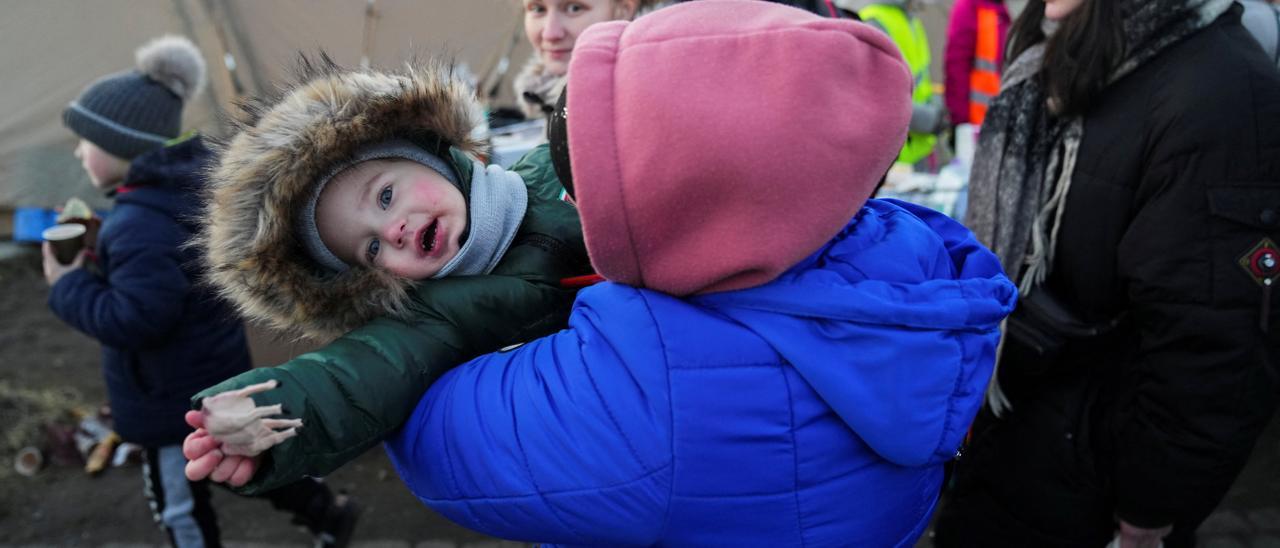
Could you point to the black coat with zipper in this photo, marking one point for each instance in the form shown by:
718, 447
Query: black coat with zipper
1177, 179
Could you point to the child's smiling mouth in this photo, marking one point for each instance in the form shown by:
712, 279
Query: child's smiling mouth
430, 240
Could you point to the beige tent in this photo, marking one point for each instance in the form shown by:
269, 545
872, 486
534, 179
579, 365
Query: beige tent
51, 49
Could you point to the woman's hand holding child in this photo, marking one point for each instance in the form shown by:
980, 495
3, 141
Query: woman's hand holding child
205, 458
231, 431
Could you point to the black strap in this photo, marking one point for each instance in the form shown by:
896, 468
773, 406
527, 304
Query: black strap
562, 252
558, 137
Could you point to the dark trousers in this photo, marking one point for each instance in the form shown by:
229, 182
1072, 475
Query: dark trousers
1035, 476
184, 508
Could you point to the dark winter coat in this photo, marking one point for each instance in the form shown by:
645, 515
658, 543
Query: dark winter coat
1177, 179
400, 335
163, 335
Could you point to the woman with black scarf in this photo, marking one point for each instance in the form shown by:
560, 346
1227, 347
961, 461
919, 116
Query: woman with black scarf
1128, 176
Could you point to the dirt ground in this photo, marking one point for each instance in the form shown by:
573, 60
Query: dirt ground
63, 506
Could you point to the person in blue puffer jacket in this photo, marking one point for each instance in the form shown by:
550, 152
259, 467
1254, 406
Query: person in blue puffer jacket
774, 359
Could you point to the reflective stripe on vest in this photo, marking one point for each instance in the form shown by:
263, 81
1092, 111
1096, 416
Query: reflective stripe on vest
984, 79
909, 35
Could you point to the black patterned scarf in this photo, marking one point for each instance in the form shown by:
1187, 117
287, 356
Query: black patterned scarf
1026, 155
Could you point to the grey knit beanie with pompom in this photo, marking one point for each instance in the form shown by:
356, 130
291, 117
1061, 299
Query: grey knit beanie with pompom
138, 110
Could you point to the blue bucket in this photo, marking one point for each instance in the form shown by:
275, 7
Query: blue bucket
29, 222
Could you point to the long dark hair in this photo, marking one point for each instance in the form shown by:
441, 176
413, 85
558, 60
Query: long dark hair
1080, 56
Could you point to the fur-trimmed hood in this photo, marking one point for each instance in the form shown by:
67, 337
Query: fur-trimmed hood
269, 165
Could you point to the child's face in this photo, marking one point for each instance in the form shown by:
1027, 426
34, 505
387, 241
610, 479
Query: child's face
397, 215
104, 169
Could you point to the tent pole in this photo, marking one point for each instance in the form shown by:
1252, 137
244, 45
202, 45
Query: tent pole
189, 28
370, 33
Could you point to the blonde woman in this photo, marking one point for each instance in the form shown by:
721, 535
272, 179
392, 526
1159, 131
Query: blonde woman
552, 27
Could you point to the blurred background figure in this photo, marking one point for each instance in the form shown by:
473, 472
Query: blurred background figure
976, 36
894, 17
552, 27
1116, 185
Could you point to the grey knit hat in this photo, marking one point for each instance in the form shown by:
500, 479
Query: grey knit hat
137, 110
395, 148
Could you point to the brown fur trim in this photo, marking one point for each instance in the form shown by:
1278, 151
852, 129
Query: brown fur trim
269, 165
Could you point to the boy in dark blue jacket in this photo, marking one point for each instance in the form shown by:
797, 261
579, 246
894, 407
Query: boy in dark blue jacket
163, 336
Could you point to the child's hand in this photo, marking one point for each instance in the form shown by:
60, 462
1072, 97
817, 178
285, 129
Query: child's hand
54, 270
205, 458
240, 427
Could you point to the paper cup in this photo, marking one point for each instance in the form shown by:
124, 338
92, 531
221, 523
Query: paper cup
28, 461
67, 240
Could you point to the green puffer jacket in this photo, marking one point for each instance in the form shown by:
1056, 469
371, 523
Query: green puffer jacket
390, 337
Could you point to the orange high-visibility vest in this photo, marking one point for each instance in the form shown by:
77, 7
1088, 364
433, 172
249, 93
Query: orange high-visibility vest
984, 79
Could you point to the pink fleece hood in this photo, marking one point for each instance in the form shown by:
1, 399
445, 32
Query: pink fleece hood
716, 143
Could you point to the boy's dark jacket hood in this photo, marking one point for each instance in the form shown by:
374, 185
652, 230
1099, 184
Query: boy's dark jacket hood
269, 165
168, 179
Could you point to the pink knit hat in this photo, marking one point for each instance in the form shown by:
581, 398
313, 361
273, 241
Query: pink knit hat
716, 143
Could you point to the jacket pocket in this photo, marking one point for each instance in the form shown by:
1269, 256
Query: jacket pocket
1252, 206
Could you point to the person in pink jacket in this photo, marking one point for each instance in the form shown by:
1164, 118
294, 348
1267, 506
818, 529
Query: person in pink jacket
974, 56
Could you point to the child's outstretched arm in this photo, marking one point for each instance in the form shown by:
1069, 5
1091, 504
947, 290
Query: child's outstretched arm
360, 388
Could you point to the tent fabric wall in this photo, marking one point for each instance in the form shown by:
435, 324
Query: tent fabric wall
52, 49
49, 50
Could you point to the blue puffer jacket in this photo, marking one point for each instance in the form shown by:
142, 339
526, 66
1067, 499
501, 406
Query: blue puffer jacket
815, 410
163, 336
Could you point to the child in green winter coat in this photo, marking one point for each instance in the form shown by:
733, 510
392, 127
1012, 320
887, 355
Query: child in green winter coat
354, 208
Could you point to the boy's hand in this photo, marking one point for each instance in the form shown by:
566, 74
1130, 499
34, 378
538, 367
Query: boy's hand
54, 270
205, 458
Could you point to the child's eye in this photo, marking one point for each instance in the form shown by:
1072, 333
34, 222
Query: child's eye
574, 8
384, 197
371, 252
